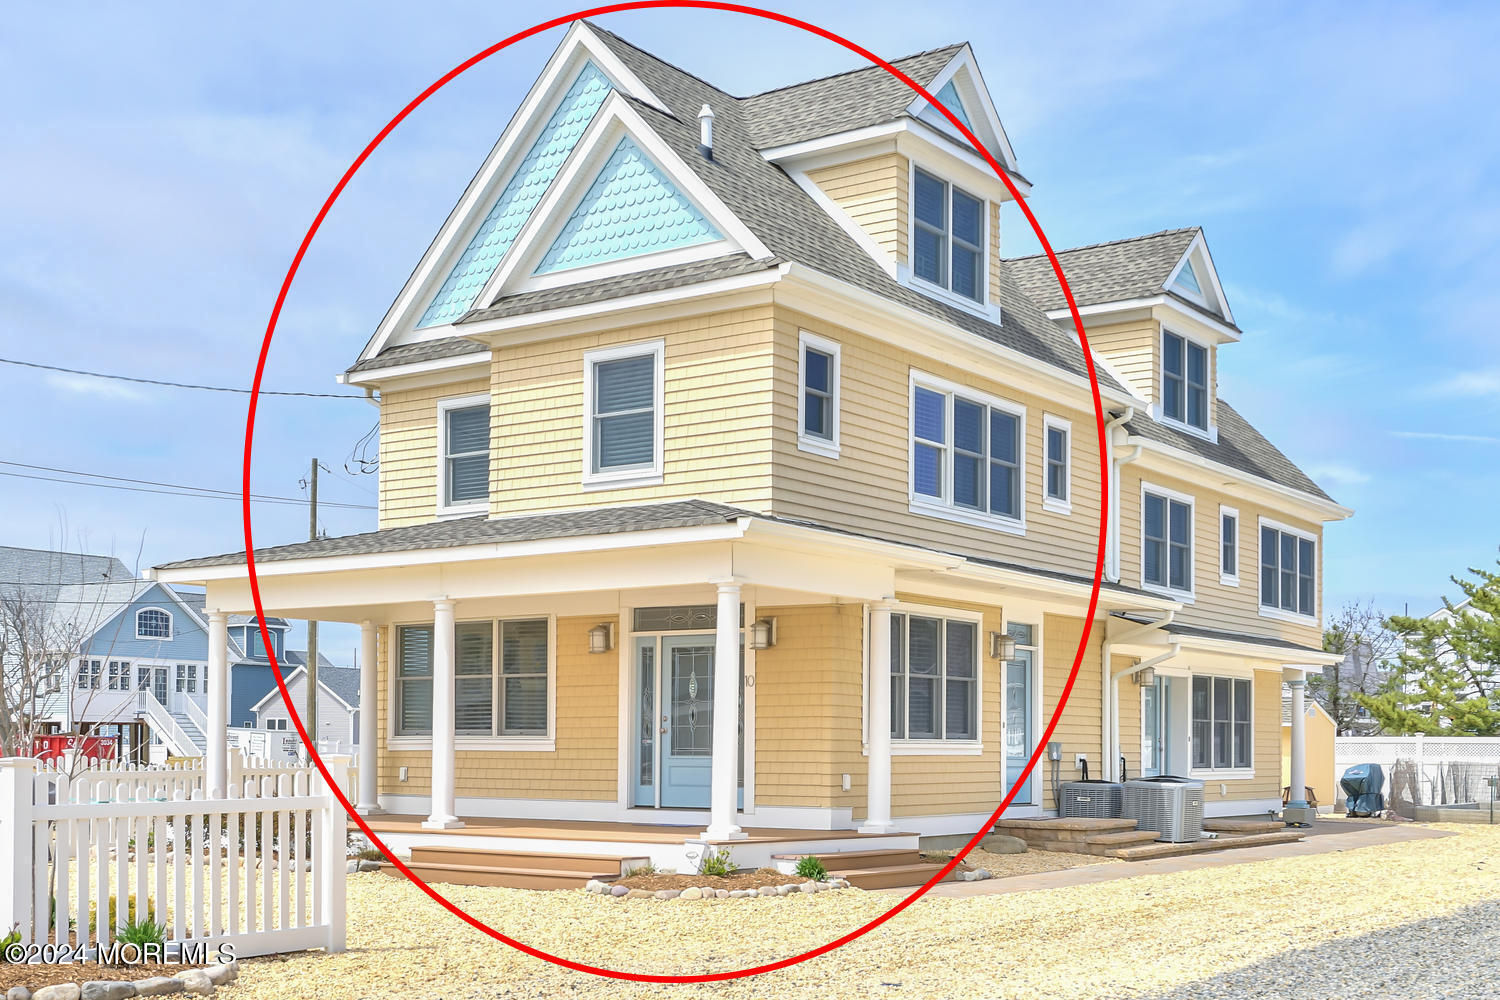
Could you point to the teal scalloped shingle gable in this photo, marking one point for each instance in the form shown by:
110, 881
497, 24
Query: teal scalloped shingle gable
521, 194
631, 208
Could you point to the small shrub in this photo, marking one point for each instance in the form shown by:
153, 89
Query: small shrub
142, 932
14, 937
646, 869
370, 854
131, 915
717, 863
810, 867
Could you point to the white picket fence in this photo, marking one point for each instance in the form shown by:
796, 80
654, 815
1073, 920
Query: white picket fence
1430, 755
261, 869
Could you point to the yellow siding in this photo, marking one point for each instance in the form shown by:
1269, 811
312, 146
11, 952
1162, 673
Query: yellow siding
866, 488
584, 765
718, 420
1267, 747
1131, 349
994, 252
1128, 705
874, 192
1230, 609
409, 451
1079, 727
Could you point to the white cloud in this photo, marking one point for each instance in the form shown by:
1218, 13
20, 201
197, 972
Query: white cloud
97, 388
1485, 382
1333, 472
1438, 436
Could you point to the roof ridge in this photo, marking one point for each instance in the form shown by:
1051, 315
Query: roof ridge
1109, 243
652, 55
848, 72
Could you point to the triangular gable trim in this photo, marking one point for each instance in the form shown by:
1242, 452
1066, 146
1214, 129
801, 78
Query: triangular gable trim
983, 120
291, 679
1210, 294
581, 44
616, 121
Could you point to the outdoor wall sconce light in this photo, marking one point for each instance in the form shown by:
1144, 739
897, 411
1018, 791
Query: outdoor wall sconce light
763, 633
1147, 677
602, 637
1002, 646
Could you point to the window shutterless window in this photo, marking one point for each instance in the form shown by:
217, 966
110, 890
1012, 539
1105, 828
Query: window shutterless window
948, 237
818, 404
501, 678
1229, 540
119, 675
1221, 722
88, 674
153, 623
1057, 489
1184, 392
1167, 542
966, 453
934, 678
1288, 571
466, 453
623, 395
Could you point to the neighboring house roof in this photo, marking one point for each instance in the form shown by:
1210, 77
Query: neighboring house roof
341, 682
83, 609
1309, 707
271, 621
30, 569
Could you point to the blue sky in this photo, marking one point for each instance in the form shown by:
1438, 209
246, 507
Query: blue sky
161, 163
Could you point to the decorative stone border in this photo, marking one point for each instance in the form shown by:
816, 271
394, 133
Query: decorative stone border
706, 892
975, 875
197, 982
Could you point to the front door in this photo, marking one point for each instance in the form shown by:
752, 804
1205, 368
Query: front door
1154, 706
1019, 679
675, 721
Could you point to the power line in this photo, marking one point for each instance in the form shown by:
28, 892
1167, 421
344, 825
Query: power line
145, 486
175, 385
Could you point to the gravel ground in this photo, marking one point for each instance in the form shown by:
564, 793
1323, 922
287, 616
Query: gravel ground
1417, 919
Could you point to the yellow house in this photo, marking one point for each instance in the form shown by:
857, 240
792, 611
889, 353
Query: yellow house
703, 407
1319, 744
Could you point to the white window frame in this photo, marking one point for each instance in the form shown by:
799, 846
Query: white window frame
1185, 596
1209, 430
465, 507
621, 478
546, 742
943, 507
980, 305
1063, 505
171, 625
1278, 613
1222, 773
907, 747
185, 679
1225, 578
827, 447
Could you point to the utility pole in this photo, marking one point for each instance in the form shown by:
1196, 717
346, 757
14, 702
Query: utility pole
312, 626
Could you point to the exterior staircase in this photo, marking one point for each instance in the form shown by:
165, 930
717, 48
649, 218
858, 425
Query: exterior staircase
194, 734
509, 869
892, 869
1120, 838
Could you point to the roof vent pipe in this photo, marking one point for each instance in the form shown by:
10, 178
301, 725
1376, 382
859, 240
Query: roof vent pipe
706, 132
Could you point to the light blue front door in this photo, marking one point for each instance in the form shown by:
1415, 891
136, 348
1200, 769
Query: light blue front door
1019, 735
675, 721
1155, 711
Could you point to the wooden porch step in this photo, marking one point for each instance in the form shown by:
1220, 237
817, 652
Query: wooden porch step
889, 876
1244, 825
838, 862
510, 878
479, 857
1145, 852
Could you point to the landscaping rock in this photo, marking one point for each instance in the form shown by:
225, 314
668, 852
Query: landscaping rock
101, 990
692, 894
668, 893
721, 893
618, 890
18, 993
197, 982
999, 843
766, 890
594, 885
218, 975
157, 986
58, 991
369, 866
640, 894
808, 887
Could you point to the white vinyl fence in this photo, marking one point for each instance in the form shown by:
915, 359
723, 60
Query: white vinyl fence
261, 869
1443, 767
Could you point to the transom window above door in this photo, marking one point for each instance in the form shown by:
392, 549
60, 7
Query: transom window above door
947, 236
622, 444
967, 459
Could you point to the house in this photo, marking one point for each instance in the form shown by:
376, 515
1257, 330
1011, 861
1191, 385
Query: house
1319, 743
703, 407
131, 654
338, 708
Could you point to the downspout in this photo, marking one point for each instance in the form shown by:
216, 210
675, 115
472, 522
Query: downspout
1112, 536
1108, 716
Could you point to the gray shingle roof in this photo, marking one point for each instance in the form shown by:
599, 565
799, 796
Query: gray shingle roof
1259, 640
1106, 272
48, 568
425, 350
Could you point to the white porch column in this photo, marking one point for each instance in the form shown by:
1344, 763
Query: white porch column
369, 717
443, 816
1297, 810
216, 740
878, 804
724, 784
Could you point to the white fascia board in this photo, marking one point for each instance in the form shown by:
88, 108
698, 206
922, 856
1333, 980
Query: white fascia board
578, 45
729, 531
275, 692
1147, 304
1281, 655
435, 370
821, 294
964, 61
1323, 510
614, 120
1199, 246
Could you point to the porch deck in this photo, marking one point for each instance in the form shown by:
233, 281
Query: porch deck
591, 830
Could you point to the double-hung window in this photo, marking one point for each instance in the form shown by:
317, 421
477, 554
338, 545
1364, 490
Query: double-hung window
465, 428
1166, 540
966, 455
1229, 546
88, 674
1184, 381
934, 678
1057, 487
187, 678
623, 401
948, 237
818, 404
502, 673
1221, 723
119, 675
1288, 571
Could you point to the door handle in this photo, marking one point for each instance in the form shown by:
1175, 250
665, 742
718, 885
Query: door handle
663, 730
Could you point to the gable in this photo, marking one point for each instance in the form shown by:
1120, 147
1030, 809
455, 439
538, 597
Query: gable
631, 208
1187, 280
116, 637
948, 97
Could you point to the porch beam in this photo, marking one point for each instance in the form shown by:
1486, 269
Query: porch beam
878, 804
216, 740
724, 779
369, 717
444, 694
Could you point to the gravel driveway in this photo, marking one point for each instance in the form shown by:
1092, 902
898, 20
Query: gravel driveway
1415, 919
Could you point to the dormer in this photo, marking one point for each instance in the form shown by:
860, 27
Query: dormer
246, 635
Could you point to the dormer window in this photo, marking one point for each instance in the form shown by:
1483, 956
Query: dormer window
153, 623
947, 237
1184, 381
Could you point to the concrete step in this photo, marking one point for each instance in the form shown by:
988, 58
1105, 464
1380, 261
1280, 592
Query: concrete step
483, 858
839, 862
510, 878
1244, 825
1145, 852
1123, 838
